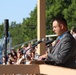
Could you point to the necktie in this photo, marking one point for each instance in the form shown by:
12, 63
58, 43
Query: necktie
57, 41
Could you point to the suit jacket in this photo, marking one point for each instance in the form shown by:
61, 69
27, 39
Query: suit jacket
64, 52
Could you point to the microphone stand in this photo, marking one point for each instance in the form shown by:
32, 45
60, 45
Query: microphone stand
33, 47
38, 42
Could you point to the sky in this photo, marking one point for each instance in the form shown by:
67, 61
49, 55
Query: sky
16, 10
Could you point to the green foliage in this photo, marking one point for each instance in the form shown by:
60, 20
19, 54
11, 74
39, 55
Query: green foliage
27, 30
1, 30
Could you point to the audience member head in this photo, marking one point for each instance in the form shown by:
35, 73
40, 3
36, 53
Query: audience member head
74, 30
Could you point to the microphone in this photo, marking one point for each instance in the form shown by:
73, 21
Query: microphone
42, 40
49, 42
38, 42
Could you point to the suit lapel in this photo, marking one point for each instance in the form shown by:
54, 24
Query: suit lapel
58, 42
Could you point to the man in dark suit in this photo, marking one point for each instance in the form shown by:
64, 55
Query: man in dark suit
64, 50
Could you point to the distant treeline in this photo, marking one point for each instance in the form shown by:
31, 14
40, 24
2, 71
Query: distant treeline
27, 30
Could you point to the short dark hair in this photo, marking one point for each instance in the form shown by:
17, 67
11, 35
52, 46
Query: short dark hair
60, 19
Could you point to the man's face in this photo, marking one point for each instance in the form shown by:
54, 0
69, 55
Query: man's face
56, 28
